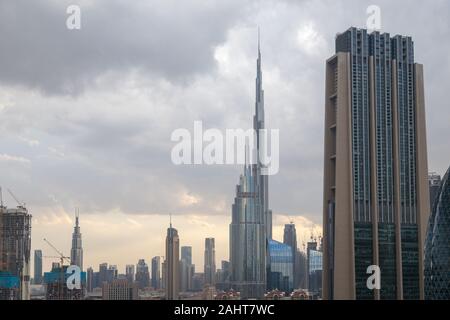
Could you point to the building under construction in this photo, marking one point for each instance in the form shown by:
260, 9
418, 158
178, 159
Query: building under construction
15, 244
56, 284
9, 286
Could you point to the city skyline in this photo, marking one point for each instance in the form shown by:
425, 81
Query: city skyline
74, 157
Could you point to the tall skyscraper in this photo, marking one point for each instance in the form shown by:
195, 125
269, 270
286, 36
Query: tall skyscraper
186, 269
172, 264
76, 253
210, 262
261, 179
90, 281
251, 224
290, 238
15, 246
129, 272
37, 267
376, 198
142, 274
156, 272
437, 249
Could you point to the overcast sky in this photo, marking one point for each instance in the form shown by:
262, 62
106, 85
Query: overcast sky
86, 115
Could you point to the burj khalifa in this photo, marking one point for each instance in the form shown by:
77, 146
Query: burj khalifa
251, 224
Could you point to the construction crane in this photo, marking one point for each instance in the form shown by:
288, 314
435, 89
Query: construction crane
61, 257
21, 204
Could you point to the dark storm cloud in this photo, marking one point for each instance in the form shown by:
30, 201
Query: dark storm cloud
166, 38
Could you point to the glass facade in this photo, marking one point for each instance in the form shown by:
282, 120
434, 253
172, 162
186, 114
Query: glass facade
376, 61
247, 238
437, 247
387, 254
315, 271
281, 265
363, 259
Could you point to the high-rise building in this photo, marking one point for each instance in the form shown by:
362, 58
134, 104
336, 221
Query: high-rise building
251, 224
129, 272
186, 269
437, 248
434, 182
186, 254
120, 289
90, 281
290, 238
314, 268
210, 262
76, 253
172, 264
15, 246
102, 274
142, 274
186, 275
37, 267
112, 273
281, 271
376, 198
156, 272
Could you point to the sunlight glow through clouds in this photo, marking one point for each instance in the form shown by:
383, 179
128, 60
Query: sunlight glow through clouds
309, 40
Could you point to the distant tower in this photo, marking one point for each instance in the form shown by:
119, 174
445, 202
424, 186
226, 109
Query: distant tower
37, 267
290, 238
129, 272
210, 261
186, 269
172, 264
156, 272
142, 274
76, 254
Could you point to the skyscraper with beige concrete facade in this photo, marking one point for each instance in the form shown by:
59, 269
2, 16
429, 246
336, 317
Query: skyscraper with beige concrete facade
376, 200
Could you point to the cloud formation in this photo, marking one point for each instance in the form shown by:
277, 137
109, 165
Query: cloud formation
90, 112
